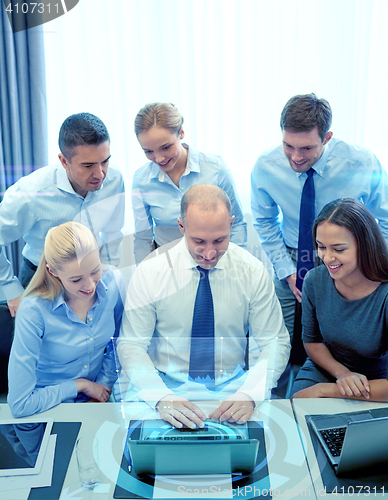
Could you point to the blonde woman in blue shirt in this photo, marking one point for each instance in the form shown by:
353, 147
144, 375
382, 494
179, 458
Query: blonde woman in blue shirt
174, 167
62, 350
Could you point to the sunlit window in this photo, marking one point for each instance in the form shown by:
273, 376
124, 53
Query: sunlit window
228, 65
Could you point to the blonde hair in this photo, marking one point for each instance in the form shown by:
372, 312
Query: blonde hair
160, 114
63, 243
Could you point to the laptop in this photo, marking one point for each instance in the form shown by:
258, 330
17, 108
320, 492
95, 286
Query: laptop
353, 441
156, 447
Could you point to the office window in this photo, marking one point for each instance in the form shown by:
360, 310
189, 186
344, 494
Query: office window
228, 65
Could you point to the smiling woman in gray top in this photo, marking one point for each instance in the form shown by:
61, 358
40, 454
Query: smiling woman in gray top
344, 307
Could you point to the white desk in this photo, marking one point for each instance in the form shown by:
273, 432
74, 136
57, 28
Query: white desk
303, 407
288, 472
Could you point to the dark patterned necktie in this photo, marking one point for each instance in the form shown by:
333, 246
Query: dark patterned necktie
201, 367
306, 221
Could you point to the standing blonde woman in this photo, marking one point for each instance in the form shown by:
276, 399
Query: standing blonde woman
174, 167
64, 324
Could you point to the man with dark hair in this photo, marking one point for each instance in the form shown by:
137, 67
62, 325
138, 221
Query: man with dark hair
303, 113
80, 129
285, 200
189, 308
80, 188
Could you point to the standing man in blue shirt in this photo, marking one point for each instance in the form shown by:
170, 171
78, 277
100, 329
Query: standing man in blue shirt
339, 170
79, 188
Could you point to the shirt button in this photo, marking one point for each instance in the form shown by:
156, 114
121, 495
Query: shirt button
91, 339
90, 319
85, 366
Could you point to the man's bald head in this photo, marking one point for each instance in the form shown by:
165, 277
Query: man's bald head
207, 198
206, 222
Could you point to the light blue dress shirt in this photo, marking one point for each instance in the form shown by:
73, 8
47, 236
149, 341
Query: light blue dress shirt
52, 347
156, 200
343, 171
45, 199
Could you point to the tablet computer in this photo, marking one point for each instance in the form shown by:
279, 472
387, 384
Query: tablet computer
23, 445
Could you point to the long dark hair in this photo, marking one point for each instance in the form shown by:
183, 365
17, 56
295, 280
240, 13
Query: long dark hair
372, 251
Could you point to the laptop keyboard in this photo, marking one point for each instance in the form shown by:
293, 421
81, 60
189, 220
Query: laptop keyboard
334, 439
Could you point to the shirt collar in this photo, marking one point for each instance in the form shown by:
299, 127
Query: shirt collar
193, 159
320, 165
192, 165
100, 291
63, 182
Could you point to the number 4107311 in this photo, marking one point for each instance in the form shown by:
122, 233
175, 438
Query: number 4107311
32, 7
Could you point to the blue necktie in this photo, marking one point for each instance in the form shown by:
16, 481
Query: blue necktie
201, 367
306, 221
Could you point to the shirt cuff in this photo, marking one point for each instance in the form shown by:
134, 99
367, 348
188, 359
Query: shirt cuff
11, 290
284, 268
104, 379
68, 390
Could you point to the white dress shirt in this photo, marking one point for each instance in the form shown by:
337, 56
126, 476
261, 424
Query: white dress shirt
155, 334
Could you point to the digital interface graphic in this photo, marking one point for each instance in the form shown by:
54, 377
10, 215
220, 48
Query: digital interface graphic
153, 430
